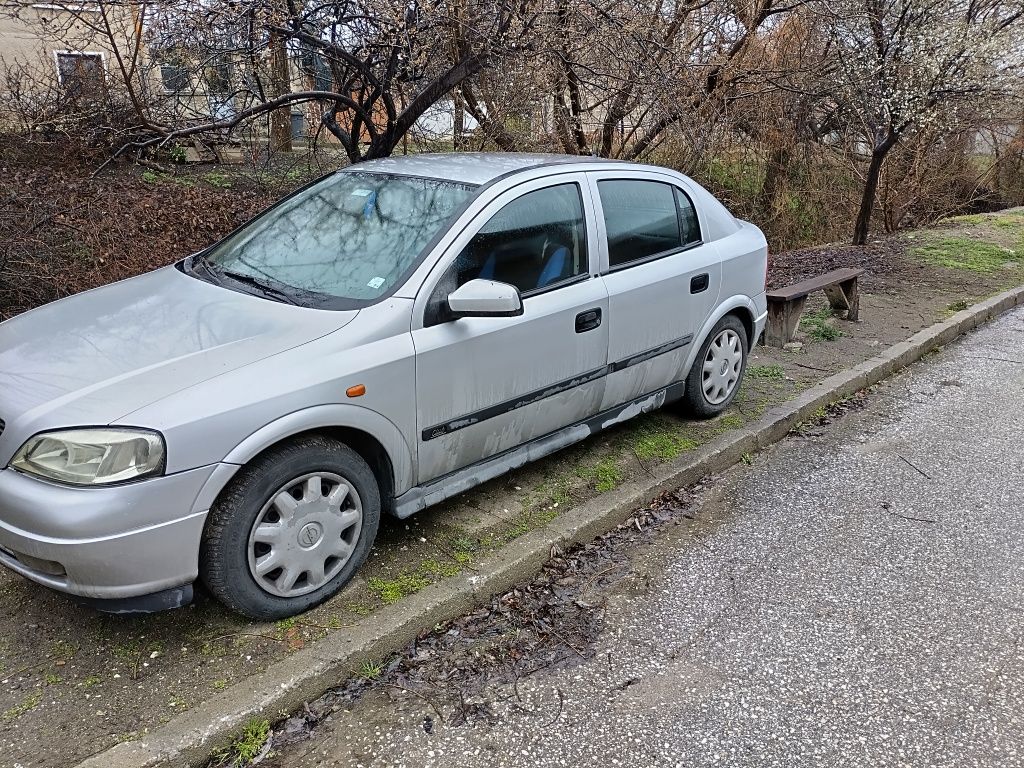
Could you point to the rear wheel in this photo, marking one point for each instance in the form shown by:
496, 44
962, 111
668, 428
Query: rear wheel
717, 371
291, 529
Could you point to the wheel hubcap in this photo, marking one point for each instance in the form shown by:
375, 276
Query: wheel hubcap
305, 534
722, 366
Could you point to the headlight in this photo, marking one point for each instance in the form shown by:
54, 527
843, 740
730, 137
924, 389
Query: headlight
92, 456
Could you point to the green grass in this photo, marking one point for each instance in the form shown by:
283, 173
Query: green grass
661, 444
970, 220
773, 372
817, 325
439, 568
285, 624
359, 608
392, 590
218, 180
968, 255
1010, 222
370, 670
605, 475
248, 745
19, 709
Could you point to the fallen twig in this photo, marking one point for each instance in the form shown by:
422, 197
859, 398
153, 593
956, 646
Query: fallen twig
886, 507
565, 642
561, 705
810, 367
590, 583
911, 464
427, 699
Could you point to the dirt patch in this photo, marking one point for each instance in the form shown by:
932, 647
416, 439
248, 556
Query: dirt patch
64, 230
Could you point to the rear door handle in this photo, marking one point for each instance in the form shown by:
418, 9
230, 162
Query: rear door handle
588, 320
699, 283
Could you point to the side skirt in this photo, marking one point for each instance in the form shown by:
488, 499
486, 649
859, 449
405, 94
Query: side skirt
454, 483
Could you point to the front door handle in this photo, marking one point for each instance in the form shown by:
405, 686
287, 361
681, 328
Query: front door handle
589, 320
699, 283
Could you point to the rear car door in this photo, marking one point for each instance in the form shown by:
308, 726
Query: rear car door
663, 281
488, 384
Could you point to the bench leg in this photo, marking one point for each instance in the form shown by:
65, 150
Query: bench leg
837, 298
852, 291
845, 297
783, 320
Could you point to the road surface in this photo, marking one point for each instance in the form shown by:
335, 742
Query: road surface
852, 598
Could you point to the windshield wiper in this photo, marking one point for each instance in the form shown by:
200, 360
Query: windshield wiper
268, 290
199, 263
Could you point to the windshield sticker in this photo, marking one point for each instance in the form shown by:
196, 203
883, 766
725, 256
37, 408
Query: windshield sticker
371, 201
362, 192
377, 282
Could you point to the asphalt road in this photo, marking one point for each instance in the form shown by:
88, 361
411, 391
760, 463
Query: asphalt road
852, 598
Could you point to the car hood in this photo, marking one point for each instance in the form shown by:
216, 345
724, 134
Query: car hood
94, 357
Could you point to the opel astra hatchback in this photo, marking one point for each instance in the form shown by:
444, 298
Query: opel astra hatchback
382, 339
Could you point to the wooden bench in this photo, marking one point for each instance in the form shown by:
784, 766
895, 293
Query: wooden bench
785, 305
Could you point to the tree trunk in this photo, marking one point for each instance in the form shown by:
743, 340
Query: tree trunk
280, 83
458, 120
867, 200
484, 116
775, 175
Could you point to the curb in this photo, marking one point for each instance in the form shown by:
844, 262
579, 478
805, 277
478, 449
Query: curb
192, 736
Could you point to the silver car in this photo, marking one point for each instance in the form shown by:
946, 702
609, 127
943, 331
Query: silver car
382, 339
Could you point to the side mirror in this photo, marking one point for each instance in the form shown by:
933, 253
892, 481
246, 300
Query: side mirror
485, 298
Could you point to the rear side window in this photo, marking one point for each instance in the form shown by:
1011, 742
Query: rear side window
534, 242
688, 223
644, 219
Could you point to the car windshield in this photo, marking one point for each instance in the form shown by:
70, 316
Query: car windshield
344, 241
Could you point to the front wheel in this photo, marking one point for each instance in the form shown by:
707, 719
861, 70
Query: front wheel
718, 369
291, 529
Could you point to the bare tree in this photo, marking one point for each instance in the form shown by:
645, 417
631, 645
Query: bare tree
901, 65
374, 67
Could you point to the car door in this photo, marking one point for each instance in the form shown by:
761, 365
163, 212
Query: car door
487, 384
663, 281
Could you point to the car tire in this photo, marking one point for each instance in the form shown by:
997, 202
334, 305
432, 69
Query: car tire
717, 371
291, 529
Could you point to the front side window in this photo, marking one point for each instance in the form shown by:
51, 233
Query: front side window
645, 219
345, 241
534, 242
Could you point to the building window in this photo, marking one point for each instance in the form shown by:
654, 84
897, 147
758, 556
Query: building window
80, 74
174, 77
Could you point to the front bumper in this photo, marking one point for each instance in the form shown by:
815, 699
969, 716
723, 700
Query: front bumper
104, 543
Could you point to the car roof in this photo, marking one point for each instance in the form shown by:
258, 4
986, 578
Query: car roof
470, 167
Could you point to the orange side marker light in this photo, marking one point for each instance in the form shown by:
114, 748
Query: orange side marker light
357, 391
